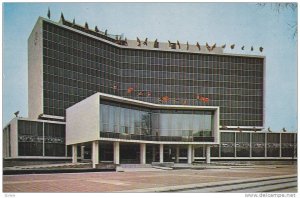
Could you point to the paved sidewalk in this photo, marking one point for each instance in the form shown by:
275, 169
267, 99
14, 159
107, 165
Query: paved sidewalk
134, 180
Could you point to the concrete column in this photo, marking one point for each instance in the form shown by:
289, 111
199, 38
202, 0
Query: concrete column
208, 154
177, 154
82, 152
116, 152
189, 154
280, 153
44, 140
95, 153
193, 153
250, 144
266, 150
153, 153
161, 153
143, 153
74, 153
234, 144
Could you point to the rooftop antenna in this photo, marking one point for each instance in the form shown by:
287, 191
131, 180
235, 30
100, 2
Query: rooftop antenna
73, 22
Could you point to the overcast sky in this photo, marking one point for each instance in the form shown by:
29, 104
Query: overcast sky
240, 23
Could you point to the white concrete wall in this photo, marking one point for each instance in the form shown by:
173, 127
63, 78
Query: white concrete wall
5, 142
14, 138
35, 71
83, 121
216, 132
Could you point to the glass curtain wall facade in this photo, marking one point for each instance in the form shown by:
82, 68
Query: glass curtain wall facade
273, 145
227, 145
255, 145
41, 139
129, 119
258, 145
75, 66
288, 145
243, 144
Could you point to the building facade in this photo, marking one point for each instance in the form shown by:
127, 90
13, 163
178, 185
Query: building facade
110, 96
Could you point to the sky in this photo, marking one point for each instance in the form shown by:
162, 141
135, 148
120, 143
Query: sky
239, 23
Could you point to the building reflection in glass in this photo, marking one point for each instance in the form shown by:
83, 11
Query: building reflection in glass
227, 144
258, 144
126, 119
243, 144
273, 145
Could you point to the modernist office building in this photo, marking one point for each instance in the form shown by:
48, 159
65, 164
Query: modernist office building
103, 97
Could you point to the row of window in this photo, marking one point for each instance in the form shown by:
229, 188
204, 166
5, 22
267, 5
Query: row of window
76, 56
59, 68
65, 85
32, 128
258, 137
200, 74
36, 149
228, 102
234, 122
255, 152
165, 85
58, 34
60, 99
127, 119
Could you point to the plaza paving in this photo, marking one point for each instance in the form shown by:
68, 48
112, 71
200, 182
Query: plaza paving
133, 179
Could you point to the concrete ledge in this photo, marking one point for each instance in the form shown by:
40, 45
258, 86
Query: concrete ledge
47, 171
119, 169
164, 164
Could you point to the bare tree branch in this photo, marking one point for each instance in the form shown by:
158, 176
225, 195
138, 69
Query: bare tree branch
279, 8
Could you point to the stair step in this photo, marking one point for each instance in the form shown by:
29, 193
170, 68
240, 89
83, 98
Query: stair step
136, 165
